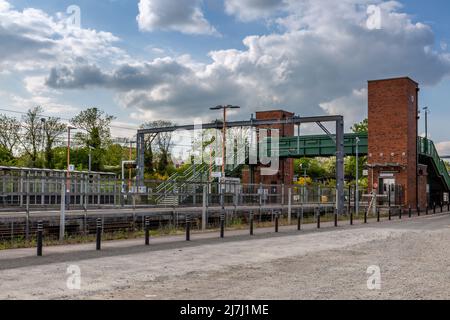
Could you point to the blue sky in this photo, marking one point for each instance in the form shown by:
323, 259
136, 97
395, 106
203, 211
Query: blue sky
179, 58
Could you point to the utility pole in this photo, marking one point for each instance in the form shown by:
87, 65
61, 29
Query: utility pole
357, 177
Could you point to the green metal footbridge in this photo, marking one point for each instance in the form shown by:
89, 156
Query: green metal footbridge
325, 146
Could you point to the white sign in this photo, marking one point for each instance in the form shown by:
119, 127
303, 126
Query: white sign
71, 168
216, 175
386, 175
219, 161
365, 173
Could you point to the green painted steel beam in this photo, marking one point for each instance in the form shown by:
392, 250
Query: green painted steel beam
320, 146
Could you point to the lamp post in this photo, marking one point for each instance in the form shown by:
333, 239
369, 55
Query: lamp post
224, 108
427, 111
357, 177
69, 128
43, 121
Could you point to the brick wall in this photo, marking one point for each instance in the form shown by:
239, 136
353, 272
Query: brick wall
393, 114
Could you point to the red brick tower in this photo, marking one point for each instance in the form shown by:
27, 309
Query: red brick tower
393, 131
285, 173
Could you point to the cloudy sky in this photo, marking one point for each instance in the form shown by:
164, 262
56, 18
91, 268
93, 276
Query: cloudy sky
171, 59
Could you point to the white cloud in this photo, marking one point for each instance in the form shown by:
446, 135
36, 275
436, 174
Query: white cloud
247, 10
317, 65
185, 16
443, 148
353, 107
36, 41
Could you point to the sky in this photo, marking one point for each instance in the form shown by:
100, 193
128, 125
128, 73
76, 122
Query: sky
172, 60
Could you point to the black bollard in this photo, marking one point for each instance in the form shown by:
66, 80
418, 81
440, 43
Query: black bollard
222, 224
448, 207
351, 218
147, 231
410, 212
188, 227
277, 215
365, 215
99, 234
299, 221
400, 215
390, 214
318, 219
442, 209
335, 218
418, 211
252, 218
434, 208
40, 231
426, 210
378, 214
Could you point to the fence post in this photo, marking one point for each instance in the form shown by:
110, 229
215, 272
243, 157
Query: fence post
251, 222
27, 207
147, 231
290, 206
62, 217
40, 229
99, 234
204, 209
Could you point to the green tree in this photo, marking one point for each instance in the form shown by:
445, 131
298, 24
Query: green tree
362, 127
32, 137
9, 133
163, 143
97, 134
6, 157
53, 128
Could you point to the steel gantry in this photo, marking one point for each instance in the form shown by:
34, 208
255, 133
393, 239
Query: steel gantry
338, 120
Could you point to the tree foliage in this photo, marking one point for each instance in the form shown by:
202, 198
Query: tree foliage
9, 133
362, 127
97, 134
32, 135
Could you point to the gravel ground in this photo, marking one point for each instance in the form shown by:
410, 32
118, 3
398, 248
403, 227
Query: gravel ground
413, 255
